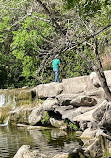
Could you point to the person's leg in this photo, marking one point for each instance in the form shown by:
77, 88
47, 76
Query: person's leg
58, 76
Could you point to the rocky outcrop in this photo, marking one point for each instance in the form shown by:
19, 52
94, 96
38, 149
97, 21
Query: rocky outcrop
75, 99
36, 115
26, 152
48, 90
20, 115
77, 85
79, 100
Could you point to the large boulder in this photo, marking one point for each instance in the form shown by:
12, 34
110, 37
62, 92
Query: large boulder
75, 152
99, 112
26, 152
77, 85
67, 112
88, 133
83, 101
98, 94
49, 104
89, 116
95, 80
64, 99
48, 90
36, 115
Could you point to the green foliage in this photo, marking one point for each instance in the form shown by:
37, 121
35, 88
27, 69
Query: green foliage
87, 8
72, 126
45, 119
27, 42
24, 41
72, 65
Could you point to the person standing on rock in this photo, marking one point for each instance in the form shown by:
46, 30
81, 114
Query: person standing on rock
56, 65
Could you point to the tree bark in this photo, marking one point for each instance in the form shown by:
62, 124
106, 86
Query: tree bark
100, 73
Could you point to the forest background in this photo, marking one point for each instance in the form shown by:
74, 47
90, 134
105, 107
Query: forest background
32, 32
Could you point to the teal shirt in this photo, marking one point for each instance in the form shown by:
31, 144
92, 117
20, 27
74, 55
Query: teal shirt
56, 63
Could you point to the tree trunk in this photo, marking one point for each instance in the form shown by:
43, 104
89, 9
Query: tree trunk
100, 73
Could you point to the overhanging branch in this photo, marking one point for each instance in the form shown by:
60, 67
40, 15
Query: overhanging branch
86, 39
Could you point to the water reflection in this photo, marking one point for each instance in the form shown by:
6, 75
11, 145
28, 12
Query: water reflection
49, 142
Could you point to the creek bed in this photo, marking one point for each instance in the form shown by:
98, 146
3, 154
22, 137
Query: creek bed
49, 142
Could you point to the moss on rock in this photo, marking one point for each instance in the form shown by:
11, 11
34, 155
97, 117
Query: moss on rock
4, 114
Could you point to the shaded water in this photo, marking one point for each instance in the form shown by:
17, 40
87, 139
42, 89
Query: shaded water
49, 142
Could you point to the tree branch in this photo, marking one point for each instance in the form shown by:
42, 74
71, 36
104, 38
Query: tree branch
51, 16
86, 39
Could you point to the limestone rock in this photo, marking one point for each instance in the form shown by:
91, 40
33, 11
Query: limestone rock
64, 99
108, 77
87, 116
69, 112
49, 90
62, 155
49, 104
75, 152
95, 149
95, 80
20, 115
106, 120
99, 112
77, 85
83, 101
57, 123
62, 109
88, 133
36, 115
99, 93
26, 152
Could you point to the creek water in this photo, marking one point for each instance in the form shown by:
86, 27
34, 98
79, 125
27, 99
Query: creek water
49, 142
